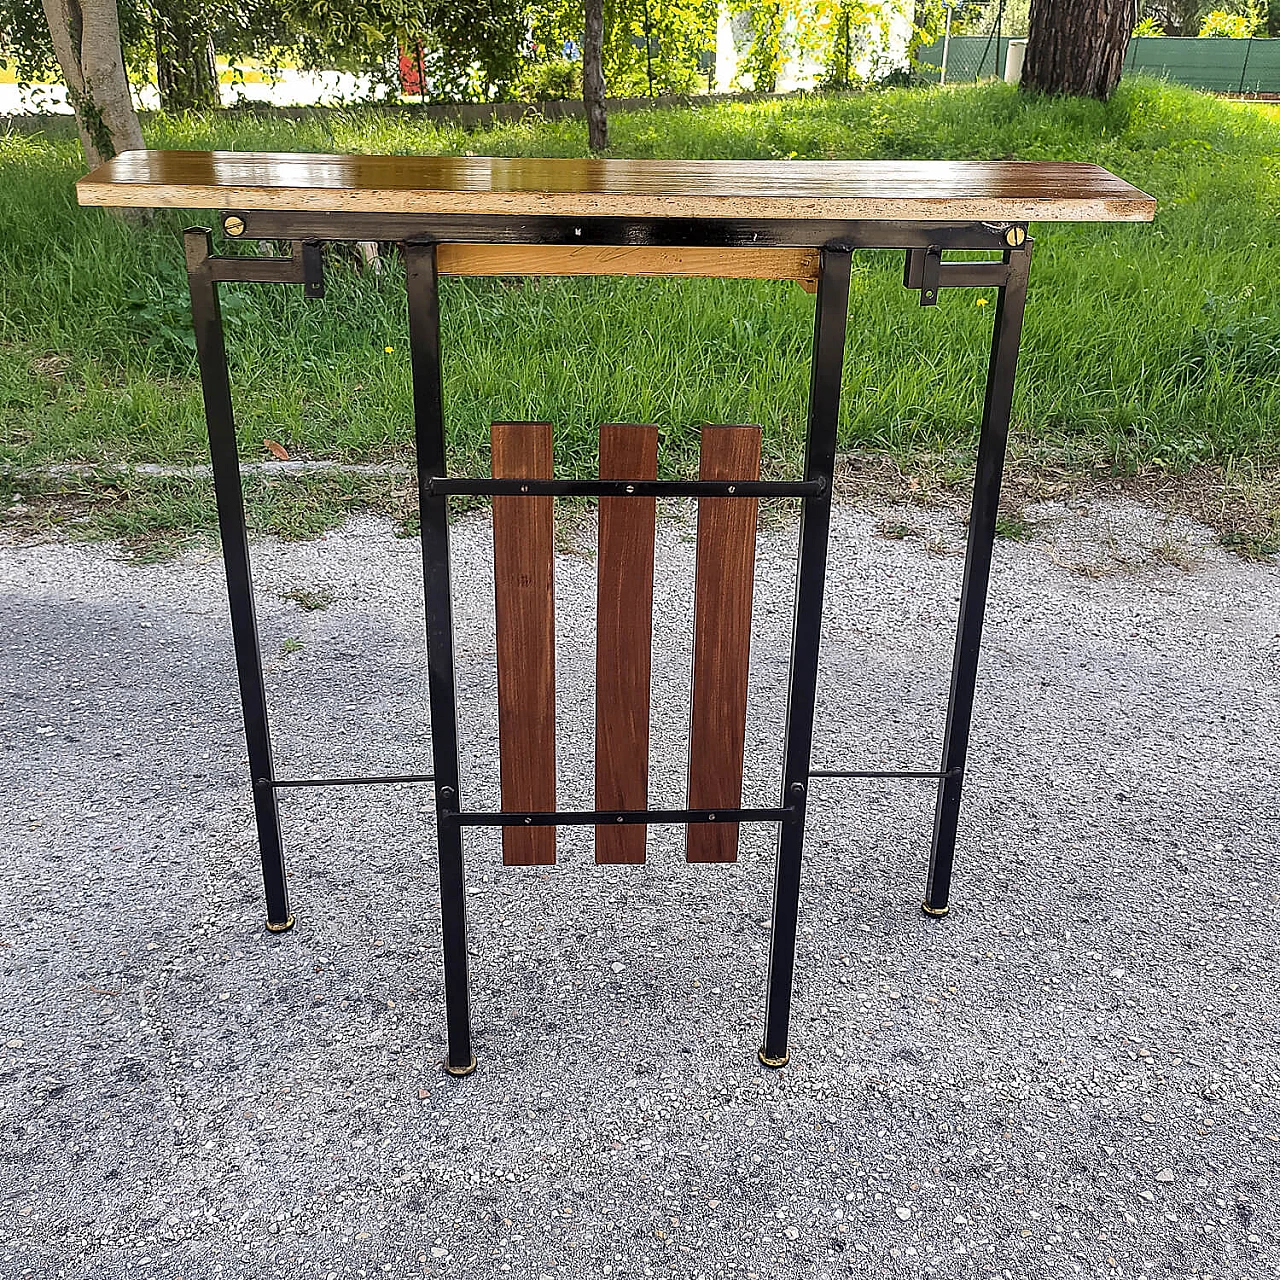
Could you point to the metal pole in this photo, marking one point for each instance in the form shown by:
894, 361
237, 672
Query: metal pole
820, 452
997, 407
211, 355
1244, 67
428, 412
946, 45
648, 47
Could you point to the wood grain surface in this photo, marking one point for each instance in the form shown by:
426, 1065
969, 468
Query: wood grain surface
524, 607
870, 190
723, 587
626, 260
624, 638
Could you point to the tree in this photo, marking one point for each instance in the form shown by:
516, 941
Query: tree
1175, 17
470, 49
186, 67
593, 75
86, 42
1077, 46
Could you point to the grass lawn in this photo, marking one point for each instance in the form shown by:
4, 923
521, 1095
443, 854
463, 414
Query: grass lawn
1148, 350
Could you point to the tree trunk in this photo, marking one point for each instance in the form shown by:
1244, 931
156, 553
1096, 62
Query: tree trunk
186, 72
1077, 46
86, 40
593, 75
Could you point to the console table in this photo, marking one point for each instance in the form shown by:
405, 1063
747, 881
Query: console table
787, 220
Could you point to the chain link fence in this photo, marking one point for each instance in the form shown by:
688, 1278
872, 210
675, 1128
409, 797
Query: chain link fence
980, 31
1249, 68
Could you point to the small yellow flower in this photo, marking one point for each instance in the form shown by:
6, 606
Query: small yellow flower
388, 350
981, 302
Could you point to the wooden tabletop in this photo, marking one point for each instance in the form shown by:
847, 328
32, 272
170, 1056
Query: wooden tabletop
854, 190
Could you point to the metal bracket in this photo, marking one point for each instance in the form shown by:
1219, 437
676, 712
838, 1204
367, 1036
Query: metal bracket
930, 275
303, 266
925, 270
312, 269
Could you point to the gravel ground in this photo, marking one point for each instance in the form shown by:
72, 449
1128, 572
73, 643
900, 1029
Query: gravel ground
1075, 1073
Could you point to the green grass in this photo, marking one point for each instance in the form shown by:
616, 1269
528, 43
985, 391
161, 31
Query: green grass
1145, 346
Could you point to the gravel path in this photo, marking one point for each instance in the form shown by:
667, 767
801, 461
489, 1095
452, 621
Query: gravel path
1076, 1073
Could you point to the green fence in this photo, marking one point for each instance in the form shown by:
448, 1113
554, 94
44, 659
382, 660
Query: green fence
1219, 65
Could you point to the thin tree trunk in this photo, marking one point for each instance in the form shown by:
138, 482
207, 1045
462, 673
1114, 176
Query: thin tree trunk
593, 75
1077, 46
86, 40
186, 70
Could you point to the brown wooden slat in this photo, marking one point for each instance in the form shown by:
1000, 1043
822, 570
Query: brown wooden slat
523, 575
721, 640
752, 262
624, 638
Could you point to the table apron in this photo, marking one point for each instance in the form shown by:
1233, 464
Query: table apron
273, 224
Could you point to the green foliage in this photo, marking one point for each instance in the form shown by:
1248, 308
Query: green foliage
979, 17
669, 38
471, 49
770, 45
1147, 29
843, 33
1122, 364
842, 36
1231, 343
556, 80
1248, 19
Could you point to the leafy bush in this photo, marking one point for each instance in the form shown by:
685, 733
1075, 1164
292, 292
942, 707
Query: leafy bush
1241, 347
558, 80
1236, 25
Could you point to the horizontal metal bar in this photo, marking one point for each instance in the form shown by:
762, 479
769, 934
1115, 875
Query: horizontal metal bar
955, 275
445, 485
624, 817
268, 224
276, 783
880, 773
263, 270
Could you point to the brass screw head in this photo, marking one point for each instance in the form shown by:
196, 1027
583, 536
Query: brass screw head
1015, 237
233, 226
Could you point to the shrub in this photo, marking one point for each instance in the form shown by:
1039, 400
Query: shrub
1235, 25
558, 80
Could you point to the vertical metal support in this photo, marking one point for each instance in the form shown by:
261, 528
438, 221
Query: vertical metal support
820, 453
428, 409
211, 354
996, 410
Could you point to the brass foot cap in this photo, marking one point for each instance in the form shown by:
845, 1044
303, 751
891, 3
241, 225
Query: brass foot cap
773, 1063
459, 1072
936, 912
283, 927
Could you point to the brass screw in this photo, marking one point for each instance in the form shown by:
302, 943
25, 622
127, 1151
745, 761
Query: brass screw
1015, 237
233, 226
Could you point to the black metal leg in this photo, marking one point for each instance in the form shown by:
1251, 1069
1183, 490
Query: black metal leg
424, 344
977, 573
211, 354
815, 522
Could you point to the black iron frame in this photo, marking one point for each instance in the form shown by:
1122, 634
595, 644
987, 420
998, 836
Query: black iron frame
925, 271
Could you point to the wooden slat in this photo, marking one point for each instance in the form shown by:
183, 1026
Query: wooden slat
523, 574
752, 263
624, 638
721, 640
519, 186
